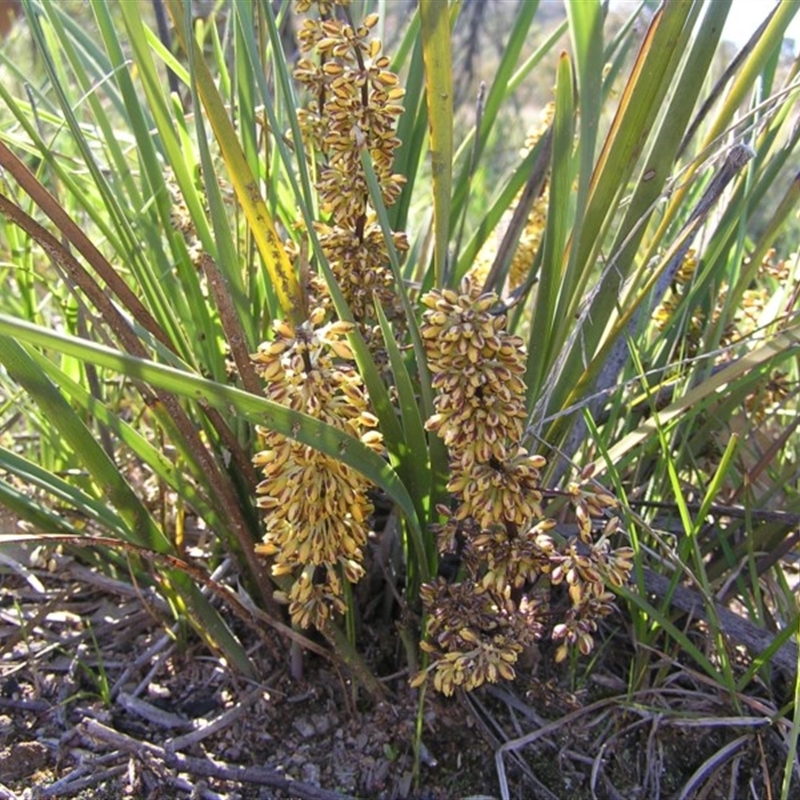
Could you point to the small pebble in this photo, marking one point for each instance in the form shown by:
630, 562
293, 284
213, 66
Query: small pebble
310, 773
304, 728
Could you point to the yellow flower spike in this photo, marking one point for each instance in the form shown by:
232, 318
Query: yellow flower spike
373, 439
342, 349
353, 571
506, 671
317, 507
264, 457
495, 521
560, 631
584, 522
508, 656
605, 500
284, 328
418, 679
448, 299
332, 69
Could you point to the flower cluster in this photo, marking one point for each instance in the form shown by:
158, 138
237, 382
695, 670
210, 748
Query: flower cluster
181, 218
531, 236
748, 317
319, 509
583, 573
475, 636
480, 407
697, 321
354, 106
585, 565
748, 314
477, 369
477, 628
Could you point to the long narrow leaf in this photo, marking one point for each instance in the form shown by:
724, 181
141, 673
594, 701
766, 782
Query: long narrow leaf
142, 529
435, 21
244, 183
257, 410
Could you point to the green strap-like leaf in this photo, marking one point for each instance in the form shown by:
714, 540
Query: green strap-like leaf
244, 182
544, 320
435, 21
506, 78
414, 459
141, 528
31, 475
256, 409
782, 346
164, 468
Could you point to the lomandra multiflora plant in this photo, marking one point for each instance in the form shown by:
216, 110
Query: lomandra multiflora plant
292, 299
318, 509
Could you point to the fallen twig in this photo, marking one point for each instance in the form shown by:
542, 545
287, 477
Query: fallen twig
78, 780
203, 728
26, 704
205, 767
741, 631
164, 719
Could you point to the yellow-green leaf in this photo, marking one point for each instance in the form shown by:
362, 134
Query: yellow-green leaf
286, 285
435, 26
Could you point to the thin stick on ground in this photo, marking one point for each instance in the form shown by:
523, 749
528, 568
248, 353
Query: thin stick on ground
205, 767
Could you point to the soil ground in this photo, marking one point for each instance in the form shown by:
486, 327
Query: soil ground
99, 700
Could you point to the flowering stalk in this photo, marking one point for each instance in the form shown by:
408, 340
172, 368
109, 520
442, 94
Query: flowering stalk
354, 106
477, 628
532, 233
318, 509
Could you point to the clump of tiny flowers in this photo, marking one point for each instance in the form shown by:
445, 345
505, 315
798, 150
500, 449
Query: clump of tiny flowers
477, 628
585, 565
748, 316
531, 236
354, 106
318, 507
696, 321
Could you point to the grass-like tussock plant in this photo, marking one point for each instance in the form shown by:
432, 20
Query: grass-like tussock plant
509, 386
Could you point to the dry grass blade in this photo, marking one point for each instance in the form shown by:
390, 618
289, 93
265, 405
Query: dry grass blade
496, 735
516, 744
712, 765
638, 740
